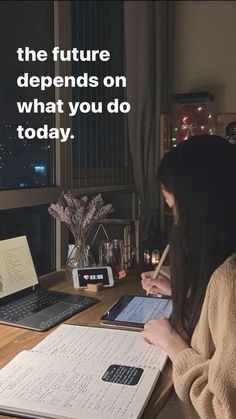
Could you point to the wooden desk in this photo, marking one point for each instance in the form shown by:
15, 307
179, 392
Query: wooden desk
14, 339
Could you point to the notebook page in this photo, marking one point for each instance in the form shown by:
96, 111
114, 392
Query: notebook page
58, 387
107, 345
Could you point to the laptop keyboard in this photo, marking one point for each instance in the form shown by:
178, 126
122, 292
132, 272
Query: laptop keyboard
29, 304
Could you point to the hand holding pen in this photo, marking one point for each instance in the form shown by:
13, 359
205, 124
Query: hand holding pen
154, 285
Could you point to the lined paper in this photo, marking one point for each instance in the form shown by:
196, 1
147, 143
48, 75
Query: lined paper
63, 376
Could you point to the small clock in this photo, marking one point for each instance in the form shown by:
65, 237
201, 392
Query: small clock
96, 275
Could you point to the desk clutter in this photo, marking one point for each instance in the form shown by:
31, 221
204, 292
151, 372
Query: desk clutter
94, 244
80, 372
110, 267
76, 371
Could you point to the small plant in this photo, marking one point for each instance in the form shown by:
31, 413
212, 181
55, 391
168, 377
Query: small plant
79, 213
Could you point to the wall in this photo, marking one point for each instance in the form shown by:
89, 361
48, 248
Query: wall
204, 50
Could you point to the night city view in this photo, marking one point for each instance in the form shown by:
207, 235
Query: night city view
24, 163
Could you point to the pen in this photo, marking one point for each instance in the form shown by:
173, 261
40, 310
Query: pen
158, 268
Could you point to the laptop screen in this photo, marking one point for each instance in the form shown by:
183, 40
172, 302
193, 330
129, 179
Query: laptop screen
17, 270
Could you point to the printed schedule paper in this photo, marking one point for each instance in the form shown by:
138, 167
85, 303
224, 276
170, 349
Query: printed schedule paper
81, 372
17, 270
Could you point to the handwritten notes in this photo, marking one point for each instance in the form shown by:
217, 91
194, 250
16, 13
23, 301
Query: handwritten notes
79, 373
106, 345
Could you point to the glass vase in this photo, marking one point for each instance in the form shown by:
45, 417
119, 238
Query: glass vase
80, 257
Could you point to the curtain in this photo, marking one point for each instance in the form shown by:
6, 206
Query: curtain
148, 39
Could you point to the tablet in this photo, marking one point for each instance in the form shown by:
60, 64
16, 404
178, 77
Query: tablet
134, 311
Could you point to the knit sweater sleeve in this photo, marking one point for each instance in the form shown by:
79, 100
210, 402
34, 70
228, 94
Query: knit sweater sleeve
208, 386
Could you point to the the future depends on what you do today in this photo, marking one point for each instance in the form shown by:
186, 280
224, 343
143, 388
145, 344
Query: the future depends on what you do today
44, 82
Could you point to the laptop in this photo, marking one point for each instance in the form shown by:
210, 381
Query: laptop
23, 303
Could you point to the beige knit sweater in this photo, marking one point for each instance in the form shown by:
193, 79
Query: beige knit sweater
205, 375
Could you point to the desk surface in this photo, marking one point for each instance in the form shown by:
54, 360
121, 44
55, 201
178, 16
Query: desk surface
14, 340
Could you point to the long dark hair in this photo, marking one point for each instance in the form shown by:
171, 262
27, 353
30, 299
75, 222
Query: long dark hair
201, 174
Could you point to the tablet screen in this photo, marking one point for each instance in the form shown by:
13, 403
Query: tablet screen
137, 310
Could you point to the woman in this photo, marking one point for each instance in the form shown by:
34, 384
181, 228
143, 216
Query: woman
198, 179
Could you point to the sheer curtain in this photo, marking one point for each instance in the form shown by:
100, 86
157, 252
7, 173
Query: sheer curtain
148, 40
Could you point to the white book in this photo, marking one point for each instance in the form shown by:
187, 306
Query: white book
80, 373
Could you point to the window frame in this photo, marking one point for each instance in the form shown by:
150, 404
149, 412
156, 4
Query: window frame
62, 163
19, 198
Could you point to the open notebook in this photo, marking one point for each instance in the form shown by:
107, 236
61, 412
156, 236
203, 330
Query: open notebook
23, 302
82, 372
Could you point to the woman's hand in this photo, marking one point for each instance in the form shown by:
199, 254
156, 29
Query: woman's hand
159, 332
160, 285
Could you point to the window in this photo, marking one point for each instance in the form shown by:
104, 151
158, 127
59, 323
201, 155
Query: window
33, 172
26, 164
100, 149
101, 156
